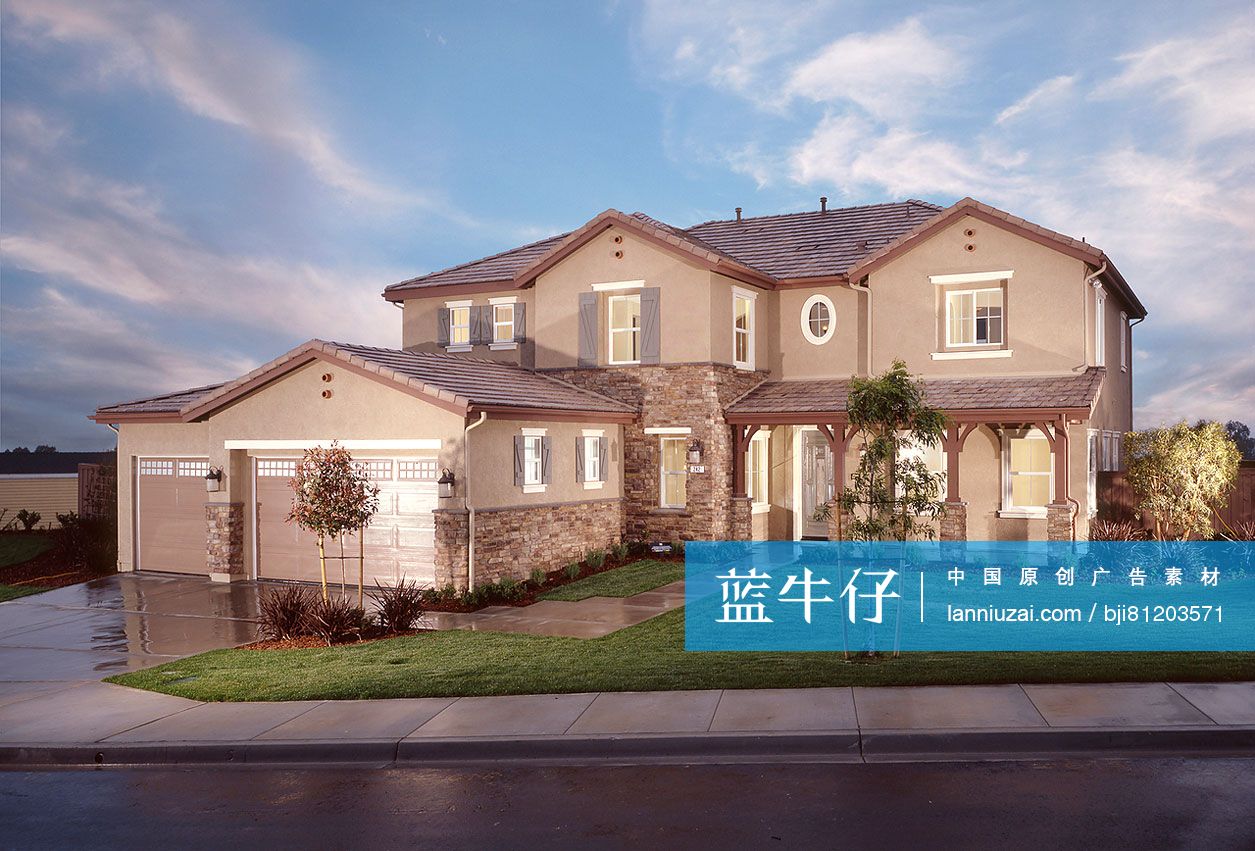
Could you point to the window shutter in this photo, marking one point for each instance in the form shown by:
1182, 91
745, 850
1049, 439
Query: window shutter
588, 329
481, 325
546, 468
580, 474
518, 461
601, 458
520, 322
442, 326
651, 341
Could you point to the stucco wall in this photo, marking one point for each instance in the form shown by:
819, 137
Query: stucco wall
840, 357
419, 326
492, 464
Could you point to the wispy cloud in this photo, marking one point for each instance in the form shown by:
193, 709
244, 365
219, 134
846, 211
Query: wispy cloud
1052, 92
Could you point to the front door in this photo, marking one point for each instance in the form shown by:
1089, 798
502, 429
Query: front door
816, 478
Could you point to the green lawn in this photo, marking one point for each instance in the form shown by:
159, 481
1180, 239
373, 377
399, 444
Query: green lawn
12, 592
649, 656
621, 582
15, 549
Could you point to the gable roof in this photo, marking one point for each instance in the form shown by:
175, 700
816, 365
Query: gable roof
1072, 392
457, 383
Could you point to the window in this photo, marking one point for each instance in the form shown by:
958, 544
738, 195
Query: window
459, 323
156, 468
757, 470
1029, 473
502, 323
1124, 341
974, 318
1100, 336
376, 471
673, 490
533, 460
593, 474
742, 329
625, 328
198, 469
819, 320
267, 469
934, 458
417, 471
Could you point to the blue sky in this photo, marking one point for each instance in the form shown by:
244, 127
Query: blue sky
190, 189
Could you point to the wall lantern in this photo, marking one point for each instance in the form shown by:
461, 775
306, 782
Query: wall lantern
695, 452
445, 483
213, 479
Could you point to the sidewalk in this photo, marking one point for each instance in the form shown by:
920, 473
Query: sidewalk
98, 723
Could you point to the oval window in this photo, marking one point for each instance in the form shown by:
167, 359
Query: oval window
819, 319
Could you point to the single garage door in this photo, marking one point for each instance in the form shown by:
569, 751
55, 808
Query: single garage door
400, 541
170, 512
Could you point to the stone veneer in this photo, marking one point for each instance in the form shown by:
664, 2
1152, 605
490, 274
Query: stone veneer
225, 541
952, 523
1058, 522
742, 524
512, 542
693, 395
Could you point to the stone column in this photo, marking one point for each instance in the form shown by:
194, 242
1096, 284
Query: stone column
452, 538
742, 519
953, 521
1059, 522
225, 541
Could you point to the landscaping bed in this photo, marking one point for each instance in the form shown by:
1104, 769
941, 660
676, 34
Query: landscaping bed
649, 656
31, 562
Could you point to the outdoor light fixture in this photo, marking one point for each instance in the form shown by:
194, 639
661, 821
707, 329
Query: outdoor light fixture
213, 479
445, 483
695, 452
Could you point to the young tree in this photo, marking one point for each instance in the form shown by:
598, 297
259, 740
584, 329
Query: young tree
892, 493
1240, 434
331, 497
1181, 474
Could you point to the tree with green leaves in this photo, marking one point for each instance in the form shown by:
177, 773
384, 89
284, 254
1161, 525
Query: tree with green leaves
1181, 475
331, 498
892, 494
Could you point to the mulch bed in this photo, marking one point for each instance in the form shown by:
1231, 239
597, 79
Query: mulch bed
46, 570
311, 642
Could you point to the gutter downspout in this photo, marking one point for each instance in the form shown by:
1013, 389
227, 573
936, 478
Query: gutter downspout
864, 288
466, 499
1089, 281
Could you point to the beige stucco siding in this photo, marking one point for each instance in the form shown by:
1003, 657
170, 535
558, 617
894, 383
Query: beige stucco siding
840, 357
419, 326
47, 495
492, 464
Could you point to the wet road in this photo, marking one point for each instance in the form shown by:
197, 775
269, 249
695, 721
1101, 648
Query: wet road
1162, 803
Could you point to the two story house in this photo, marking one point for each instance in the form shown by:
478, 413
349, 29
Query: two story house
631, 380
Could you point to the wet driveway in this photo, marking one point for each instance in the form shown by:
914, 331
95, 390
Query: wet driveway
116, 624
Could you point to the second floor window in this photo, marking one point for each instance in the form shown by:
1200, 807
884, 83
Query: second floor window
460, 326
974, 318
625, 328
742, 329
503, 323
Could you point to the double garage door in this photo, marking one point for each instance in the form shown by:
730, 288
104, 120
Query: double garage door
400, 541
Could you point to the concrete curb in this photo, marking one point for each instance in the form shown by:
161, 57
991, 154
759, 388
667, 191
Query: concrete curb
849, 746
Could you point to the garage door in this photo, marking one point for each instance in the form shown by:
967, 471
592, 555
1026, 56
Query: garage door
400, 541
170, 507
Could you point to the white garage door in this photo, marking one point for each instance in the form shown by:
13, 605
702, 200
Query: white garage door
170, 515
400, 541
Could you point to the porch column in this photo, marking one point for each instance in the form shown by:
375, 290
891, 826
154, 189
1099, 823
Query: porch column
953, 523
838, 441
741, 436
1059, 511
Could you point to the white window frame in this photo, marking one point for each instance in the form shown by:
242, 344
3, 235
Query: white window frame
610, 302
1093, 440
1124, 341
534, 460
758, 478
453, 307
498, 343
951, 294
663, 472
592, 459
750, 299
809, 335
1009, 508
1100, 327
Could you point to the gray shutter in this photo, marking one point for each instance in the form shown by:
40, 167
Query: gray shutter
546, 456
651, 339
518, 461
602, 444
588, 329
480, 321
442, 326
580, 474
520, 322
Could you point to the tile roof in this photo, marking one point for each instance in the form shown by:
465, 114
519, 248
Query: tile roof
948, 394
495, 267
165, 404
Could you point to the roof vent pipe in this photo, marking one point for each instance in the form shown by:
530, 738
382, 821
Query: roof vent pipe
823, 203
738, 214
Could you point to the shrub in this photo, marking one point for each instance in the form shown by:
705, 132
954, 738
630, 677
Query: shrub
88, 543
677, 548
336, 619
28, 519
400, 606
595, 558
1115, 530
573, 570
285, 612
1242, 531
539, 576
509, 590
620, 551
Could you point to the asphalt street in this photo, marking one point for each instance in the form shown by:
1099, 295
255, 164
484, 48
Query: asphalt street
1144, 803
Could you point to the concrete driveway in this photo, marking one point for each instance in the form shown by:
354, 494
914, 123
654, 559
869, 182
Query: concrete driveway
118, 623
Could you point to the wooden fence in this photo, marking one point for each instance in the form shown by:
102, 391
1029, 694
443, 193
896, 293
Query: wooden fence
1116, 500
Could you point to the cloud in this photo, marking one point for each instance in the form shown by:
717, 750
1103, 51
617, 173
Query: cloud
1051, 92
218, 70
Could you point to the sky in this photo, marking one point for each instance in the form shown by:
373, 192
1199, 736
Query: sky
188, 190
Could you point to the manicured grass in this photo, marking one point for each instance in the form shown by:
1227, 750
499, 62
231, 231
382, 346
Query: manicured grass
621, 582
15, 549
649, 656
12, 592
